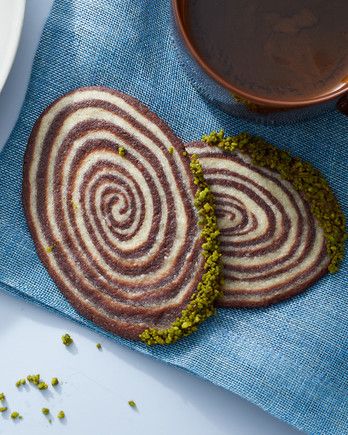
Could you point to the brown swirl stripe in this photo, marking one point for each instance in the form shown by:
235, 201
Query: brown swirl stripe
272, 246
118, 234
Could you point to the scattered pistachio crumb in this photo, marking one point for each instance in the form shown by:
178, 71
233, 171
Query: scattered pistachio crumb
75, 205
305, 179
20, 382
122, 151
15, 415
61, 414
171, 150
2, 397
50, 421
3, 409
34, 379
45, 411
184, 153
42, 386
54, 382
99, 346
253, 107
67, 340
132, 403
49, 249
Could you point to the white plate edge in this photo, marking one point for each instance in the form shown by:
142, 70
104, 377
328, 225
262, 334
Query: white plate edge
13, 45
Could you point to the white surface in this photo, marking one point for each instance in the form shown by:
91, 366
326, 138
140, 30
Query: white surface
11, 20
96, 385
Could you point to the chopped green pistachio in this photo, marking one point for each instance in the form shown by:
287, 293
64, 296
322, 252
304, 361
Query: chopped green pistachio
15, 415
34, 379
50, 421
61, 414
42, 386
171, 150
54, 382
2, 397
184, 153
99, 346
75, 205
3, 409
49, 249
67, 340
20, 382
305, 179
201, 305
253, 107
132, 403
122, 151
45, 411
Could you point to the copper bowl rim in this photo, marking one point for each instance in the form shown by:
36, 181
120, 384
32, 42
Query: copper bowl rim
235, 90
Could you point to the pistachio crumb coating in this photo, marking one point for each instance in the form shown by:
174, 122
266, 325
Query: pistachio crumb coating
305, 179
201, 305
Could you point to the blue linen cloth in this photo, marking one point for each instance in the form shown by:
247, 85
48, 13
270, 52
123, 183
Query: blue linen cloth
290, 359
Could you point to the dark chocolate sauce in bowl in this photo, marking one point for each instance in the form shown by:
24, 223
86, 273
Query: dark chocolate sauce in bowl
285, 50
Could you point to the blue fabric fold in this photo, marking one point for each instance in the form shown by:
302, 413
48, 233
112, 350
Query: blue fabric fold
291, 359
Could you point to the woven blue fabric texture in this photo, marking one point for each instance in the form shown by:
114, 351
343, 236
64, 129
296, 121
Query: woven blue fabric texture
290, 359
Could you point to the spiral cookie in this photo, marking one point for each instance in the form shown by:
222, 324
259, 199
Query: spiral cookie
109, 199
272, 246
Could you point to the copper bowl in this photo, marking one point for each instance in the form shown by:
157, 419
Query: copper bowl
237, 101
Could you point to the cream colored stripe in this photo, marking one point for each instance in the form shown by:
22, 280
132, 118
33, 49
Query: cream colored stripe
44, 124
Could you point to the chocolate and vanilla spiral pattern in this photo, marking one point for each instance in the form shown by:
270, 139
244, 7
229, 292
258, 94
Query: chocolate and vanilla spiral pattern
272, 247
117, 233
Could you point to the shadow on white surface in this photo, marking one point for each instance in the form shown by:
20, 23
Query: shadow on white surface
117, 371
